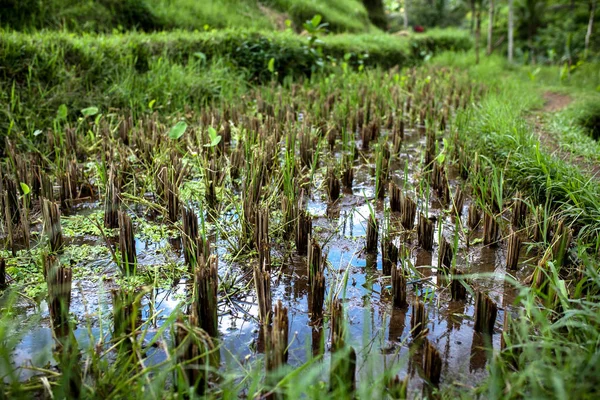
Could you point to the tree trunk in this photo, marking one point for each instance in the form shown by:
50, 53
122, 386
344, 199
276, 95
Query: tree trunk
406, 14
590, 27
511, 31
477, 32
472, 15
490, 45
376, 13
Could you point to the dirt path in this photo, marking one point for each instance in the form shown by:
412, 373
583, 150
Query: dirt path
556, 102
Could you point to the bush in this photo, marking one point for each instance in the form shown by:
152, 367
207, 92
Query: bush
589, 118
19, 13
125, 70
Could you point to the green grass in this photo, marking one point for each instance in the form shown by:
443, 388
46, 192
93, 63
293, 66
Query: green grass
151, 15
569, 129
341, 15
497, 129
191, 14
553, 353
588, 117
174, 70
567, 126
553, 350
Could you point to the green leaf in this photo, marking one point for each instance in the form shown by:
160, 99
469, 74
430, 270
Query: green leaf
178, 130
62, 112
24, 188
215, 139
200, 55
441, 157
316, 20
212, 132
151, 104
87, 112
272, 65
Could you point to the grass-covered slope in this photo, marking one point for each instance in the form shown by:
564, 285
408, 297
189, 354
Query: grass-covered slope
152, 15
501, 130
341, 15
551, 349
175, 70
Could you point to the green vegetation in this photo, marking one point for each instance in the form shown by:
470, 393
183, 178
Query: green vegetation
553, 350
153, 15
497, 130
574, 132
341, 16
589, 118
175, 70
285, 199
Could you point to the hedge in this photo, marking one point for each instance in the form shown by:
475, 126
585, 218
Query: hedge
84, 69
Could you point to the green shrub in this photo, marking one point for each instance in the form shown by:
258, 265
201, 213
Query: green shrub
438, 13
129, 70
20, 13
589, 118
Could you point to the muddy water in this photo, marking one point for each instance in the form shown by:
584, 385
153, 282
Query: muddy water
379, 332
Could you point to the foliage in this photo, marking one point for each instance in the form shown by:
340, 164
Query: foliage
88, 15
572, 137
497, 130
551, 352
152, 15
437, 13
376, 12
340, 15
589, 118
173, 70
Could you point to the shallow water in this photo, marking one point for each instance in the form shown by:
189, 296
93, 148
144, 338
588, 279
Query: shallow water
376, 329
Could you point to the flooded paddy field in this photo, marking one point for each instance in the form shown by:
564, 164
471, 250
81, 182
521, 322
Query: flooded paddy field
335, 224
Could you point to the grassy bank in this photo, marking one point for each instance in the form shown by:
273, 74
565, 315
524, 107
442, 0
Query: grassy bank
500, 129
552, 348
155, 15
575, 129
178, 69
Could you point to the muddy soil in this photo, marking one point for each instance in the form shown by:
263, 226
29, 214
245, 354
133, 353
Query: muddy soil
379, 331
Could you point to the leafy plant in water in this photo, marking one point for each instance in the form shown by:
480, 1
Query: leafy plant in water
215, 138
89, 111
177, 131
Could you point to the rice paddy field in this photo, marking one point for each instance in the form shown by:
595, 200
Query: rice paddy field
290, 217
